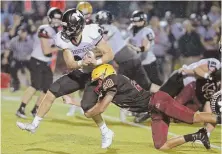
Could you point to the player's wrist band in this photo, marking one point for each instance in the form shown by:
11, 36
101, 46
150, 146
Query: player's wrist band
142, 49
206, 75
79, 63
99, 61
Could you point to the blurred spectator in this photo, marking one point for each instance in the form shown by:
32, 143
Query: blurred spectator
190, 45
214, 14
174, 31
209, 38
161, 45
21, 48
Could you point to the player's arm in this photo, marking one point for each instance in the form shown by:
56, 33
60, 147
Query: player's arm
100, 106
206, 68
46, 46
71, 63
107, 53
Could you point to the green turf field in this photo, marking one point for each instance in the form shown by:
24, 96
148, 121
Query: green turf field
59, 134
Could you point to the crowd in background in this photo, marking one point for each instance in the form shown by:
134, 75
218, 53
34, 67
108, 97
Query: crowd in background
184, 31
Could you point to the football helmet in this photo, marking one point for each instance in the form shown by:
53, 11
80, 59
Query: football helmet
85, 7
102, 71
54, 16
104, 17
138, 16
73, 23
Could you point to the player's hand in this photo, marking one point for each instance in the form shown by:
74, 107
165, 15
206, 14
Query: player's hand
5, 61
185, 71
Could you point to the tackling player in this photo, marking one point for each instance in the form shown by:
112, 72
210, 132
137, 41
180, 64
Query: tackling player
83, 49
41, 74
125, 93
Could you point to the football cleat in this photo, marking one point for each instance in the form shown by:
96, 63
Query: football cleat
21, 114
26, 126
202, 136
107, 139
142, 117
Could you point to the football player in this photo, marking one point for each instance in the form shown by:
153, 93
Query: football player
202, 91
128, 61
126, 93
183, 78
41, 74
83, 49
142, 40
87, 11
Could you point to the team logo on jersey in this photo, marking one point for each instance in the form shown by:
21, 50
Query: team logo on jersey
208, 90
108, 84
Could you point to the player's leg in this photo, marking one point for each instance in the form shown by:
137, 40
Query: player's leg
166, 104
160, 124
62, 86
177, 141
152, 73
36, 80
89, 99
47, 80
209, 127
175, 80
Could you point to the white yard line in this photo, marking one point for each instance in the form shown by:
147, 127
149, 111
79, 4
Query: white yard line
16, 98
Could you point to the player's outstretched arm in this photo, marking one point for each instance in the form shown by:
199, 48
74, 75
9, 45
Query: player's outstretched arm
100, 107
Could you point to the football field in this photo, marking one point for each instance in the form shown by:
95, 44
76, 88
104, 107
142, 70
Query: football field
59, 134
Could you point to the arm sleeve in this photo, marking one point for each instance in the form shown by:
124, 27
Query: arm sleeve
110, 85
43, 32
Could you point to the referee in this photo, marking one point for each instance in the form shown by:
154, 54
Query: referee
21, 48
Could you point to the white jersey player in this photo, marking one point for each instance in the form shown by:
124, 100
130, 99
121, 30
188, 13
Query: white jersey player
188, 74
83, 49
125, 58
142, 40
41, 74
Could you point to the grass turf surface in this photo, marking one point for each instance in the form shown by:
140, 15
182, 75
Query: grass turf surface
59, 134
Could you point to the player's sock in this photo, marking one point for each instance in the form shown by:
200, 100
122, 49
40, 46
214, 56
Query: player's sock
208, 134
219, 119
103, 128
22, 107
36, 121
35, 108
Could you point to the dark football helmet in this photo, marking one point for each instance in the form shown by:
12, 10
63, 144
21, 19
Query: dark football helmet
104, 17
138, 16
73, 23
54, 16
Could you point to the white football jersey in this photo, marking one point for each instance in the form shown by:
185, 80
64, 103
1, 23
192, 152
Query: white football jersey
211, 62
44, 31
91, 36
114, 37
146, 32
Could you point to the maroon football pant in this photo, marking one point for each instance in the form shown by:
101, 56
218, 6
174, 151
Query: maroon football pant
187, 94
163, 108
